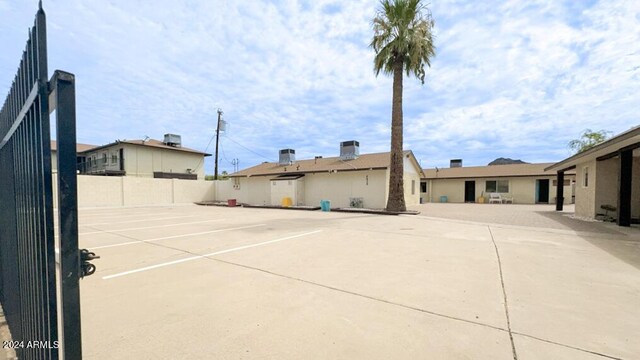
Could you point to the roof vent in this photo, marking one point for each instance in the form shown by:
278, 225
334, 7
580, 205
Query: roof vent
173, 140
455, 163
287, 157
349, 150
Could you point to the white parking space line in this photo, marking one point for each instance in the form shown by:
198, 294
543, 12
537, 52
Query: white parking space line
124, 215
175, 237
206, 255
148, 227
132, 221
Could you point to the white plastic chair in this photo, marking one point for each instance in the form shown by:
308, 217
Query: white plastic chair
507, 199
495, 198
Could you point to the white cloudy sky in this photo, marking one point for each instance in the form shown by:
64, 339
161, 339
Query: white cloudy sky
513, 78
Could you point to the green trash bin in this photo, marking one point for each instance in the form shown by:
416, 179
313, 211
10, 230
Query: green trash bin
443, 199
325, 205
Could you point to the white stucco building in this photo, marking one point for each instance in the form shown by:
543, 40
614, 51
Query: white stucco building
144, 158
348, 180
523, 183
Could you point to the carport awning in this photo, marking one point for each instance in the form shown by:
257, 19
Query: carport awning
610, 148
288, 177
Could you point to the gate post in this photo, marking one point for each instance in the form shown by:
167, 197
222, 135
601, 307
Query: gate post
63, 101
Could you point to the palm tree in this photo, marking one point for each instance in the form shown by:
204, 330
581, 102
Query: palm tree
403, 42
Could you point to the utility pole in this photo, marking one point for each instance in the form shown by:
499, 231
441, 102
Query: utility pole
215, 175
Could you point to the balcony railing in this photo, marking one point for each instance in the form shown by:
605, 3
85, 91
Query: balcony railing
100, 167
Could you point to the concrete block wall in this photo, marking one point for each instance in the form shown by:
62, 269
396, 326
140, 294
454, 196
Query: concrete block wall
105, 191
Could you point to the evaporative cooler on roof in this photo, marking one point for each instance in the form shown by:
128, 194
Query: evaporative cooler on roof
287, 157
349, 150
173, 140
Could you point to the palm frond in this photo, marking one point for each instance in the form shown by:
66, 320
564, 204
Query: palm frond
403, 33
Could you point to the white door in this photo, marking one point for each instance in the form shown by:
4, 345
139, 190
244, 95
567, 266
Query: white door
281, 189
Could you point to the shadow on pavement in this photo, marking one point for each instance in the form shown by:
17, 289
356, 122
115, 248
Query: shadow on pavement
624, 245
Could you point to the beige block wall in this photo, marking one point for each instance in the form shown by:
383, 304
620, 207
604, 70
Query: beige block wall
224, 190
585, 196
98, 191
189, 191
143, 191
254, 190
107, 191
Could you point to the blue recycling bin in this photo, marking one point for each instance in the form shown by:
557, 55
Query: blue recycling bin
443, 199
325, 205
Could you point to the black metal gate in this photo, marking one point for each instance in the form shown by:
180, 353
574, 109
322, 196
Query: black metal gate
42, 308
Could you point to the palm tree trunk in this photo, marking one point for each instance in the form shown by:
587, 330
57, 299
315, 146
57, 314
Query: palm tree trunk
395, 201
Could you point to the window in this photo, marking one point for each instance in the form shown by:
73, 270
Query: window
114, 158
499, 186
423, 186
413, 187
366, 179
585, 176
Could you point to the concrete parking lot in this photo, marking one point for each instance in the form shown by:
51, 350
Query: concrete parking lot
237, 283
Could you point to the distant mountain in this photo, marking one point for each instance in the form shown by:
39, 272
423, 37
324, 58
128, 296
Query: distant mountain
506, 161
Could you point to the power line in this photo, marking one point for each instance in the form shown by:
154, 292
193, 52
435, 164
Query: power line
205, 150
246, 148
224, 156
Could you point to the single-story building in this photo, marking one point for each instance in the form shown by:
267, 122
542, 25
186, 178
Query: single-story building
608, 175
349, 180
524, 183
144, 158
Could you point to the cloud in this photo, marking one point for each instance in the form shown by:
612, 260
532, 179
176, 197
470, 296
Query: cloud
511, 78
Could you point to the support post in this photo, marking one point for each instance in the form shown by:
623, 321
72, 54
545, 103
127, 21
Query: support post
624, 188
63, 93
560, 191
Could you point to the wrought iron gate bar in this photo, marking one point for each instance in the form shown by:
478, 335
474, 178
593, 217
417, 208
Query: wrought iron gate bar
30, 291
27, 243
26, 107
